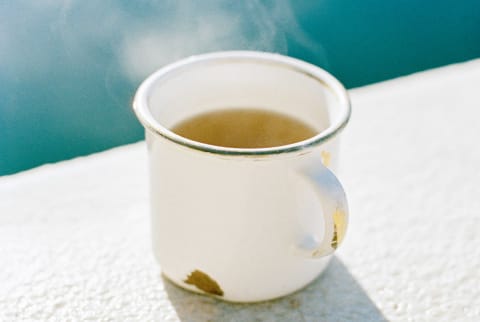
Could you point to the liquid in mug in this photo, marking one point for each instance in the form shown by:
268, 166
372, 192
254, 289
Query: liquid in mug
244, 128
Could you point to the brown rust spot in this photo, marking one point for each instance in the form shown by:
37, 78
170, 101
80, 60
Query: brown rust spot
339, 228
335, 238
204, 282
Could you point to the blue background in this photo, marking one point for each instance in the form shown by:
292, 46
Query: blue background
69, 69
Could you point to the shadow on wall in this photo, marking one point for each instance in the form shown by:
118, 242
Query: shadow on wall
335, 296
69, 69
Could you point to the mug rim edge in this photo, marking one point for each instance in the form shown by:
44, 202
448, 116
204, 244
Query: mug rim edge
142, 112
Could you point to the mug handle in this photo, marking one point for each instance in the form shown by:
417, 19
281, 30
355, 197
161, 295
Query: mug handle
335, 213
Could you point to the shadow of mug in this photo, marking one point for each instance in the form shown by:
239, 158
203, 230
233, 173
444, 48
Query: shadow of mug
335, 296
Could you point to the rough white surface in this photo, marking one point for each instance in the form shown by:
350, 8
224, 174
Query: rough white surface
75, 240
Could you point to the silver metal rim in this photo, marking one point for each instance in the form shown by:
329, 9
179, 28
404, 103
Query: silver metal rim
140, 102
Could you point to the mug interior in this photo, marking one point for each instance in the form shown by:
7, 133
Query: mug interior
224, 80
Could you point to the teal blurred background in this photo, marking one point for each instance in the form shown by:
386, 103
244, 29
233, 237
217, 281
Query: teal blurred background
69, 69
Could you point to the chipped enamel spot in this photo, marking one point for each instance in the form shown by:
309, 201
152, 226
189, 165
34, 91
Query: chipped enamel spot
326, 158
204, 282
339, 228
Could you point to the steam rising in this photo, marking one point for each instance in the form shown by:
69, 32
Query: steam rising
142, 36
210, 26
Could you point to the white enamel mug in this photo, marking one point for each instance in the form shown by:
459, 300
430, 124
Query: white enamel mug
242, 224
